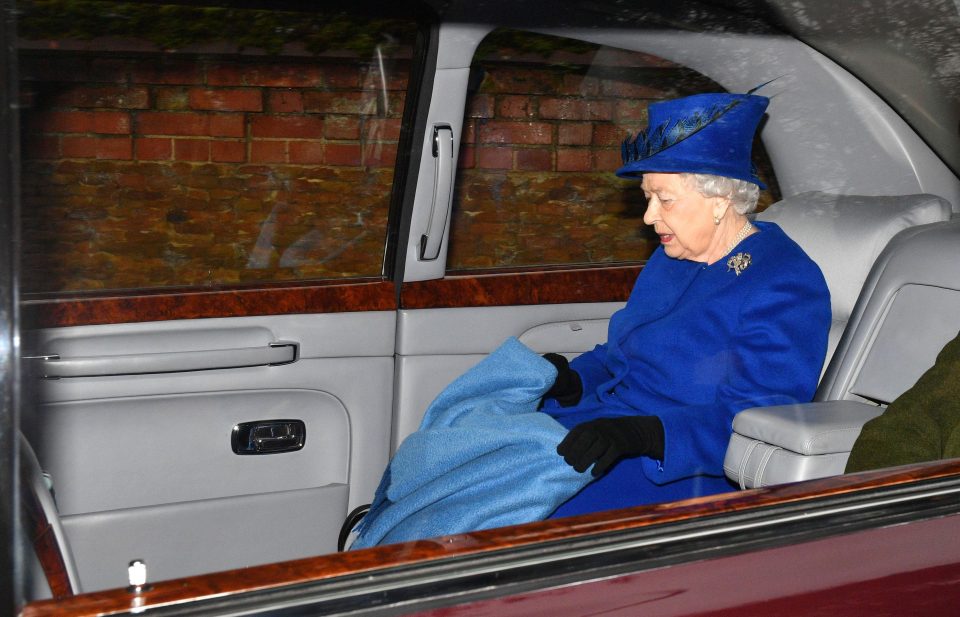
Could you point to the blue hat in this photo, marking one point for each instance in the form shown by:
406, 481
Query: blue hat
701, 134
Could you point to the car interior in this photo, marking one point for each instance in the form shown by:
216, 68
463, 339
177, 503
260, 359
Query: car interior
127, 452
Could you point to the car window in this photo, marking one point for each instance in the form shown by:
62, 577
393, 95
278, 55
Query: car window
253, 146
544, 122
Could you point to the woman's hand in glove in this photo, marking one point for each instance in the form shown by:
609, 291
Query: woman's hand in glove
568, 388
604, 441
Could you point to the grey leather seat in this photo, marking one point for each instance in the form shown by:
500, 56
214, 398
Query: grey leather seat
893, 268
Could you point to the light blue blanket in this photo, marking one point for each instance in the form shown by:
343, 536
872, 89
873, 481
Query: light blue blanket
483, 457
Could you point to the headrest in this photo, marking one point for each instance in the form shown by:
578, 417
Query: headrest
844, 234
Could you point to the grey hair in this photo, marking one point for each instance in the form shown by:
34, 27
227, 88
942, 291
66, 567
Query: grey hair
743, 195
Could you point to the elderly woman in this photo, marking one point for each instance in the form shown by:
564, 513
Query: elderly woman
726, 315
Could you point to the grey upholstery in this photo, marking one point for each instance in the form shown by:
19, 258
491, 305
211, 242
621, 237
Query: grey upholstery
914, 280
772, 445
844, 234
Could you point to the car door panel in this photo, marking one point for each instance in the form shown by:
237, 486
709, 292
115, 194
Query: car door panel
142, 465
438, 345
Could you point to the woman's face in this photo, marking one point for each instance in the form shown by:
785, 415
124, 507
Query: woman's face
682, 217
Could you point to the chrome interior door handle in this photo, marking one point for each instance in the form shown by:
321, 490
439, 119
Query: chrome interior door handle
281, 352
442, 192
268, 436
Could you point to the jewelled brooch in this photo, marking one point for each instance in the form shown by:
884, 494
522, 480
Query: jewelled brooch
738, 263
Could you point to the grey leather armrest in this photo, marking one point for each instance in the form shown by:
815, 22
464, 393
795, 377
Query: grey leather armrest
788, 443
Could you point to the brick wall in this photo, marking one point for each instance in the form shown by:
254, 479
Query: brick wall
154, 170
147, 171
541, 142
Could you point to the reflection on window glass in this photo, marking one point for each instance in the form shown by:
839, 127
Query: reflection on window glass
185, 146
541, 140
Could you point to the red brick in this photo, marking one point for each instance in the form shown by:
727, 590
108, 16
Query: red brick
117, 97
285, 101
629, 110
270, 76
154, 149
574, 160
190, 124
563, 109
59, 122
191, 149
521, 81
467, 158
634, 59
535, 159
575, 109
379, 155
172, 123
342, 76
609, 135
342, 154
481, 106
268, 151
580, 85
625, 89
364, 103
227, 125
111, 122
515, 106
382, 129
469, 132
575, 134
607, 160
97, 147
227, 75
298, 127
537, 133
171, 99
226, 99
224, 151
306, 152
341, 127
106, 122
495, 158
132, 181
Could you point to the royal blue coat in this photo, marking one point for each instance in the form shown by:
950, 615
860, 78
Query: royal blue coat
694, 345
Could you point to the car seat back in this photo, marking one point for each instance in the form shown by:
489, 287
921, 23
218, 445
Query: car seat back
844, 235
909, 309
905, 311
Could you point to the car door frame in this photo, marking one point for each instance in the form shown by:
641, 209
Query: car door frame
11, 544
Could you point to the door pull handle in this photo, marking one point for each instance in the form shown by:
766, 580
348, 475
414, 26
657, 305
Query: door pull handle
268, 436
442, 192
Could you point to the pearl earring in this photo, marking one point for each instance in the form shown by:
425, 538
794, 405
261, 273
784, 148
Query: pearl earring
716, 219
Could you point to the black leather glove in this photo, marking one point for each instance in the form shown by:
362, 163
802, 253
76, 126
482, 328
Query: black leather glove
604, 441
568, 388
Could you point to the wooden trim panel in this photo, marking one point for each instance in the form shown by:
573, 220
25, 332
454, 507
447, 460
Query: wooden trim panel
325, 297
369, 561
603, 284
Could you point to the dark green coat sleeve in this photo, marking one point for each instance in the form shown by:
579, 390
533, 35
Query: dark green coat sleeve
922, 424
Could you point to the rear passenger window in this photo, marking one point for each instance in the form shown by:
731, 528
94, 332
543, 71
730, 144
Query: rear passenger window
541, 140
254, 146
